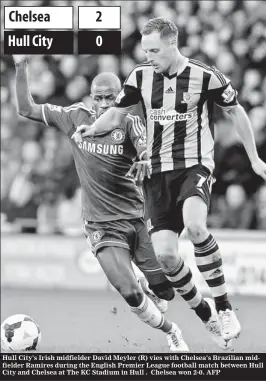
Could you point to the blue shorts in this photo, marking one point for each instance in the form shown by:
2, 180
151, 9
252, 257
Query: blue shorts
129, 234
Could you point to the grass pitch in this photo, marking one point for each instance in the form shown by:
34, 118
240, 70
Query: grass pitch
100, 321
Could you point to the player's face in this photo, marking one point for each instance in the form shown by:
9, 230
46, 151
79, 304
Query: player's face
159, 52
103, 98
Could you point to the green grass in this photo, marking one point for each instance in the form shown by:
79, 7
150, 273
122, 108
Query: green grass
74, 321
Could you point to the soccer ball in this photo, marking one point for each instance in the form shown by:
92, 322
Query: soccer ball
19, 333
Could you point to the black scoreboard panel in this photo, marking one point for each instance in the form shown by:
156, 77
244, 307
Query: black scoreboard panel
40, 42
99, 42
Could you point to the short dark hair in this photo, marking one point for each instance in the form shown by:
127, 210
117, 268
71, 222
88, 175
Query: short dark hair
161, 25
107, 79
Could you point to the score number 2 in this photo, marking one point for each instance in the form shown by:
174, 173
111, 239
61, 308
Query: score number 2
99, 16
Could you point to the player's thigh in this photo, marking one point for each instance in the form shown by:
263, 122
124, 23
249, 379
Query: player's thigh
111, 243
195, 211
159, 202
116, 264
164, 241
195, 194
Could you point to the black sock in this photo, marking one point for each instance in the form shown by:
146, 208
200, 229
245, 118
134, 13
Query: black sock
203, 311
222, 303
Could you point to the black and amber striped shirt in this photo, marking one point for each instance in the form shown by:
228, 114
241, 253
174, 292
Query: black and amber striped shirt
179, 112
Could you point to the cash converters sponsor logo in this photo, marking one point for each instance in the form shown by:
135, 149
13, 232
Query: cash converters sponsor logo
163, 116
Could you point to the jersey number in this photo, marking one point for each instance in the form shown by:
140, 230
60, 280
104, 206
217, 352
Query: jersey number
202, 181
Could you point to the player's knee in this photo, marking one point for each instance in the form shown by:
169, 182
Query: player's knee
131, 293
167, 295
167, 260
163, 290
134, 298
165, 254
196, 230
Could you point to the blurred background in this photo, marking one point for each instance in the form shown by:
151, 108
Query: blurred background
39, 186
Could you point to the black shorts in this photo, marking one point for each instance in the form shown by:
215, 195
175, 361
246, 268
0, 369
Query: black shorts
130, 234
166, 192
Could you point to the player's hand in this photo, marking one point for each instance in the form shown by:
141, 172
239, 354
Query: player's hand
259, 167
139, 170
82, 131
19, 58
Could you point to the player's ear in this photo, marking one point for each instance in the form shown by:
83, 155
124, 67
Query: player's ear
173, 41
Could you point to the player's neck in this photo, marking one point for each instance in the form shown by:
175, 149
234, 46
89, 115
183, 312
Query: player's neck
178, 64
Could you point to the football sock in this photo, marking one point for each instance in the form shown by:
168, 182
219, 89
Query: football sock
149, 314
182, 280
203, 311
209, 263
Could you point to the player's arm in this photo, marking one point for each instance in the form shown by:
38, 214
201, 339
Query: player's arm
51, 115
225, 96
125, 103
138, 136
137, 133
26, 105
243, 126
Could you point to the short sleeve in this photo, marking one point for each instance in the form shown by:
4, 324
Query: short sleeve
221, 90
130, 95
57, 116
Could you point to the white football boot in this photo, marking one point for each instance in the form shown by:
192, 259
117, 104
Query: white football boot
230, 325
161, 304
175, 340
213, 325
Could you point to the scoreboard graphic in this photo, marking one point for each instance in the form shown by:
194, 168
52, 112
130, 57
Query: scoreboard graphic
51, 30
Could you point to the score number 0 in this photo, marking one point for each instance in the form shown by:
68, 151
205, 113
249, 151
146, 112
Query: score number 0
99, 39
